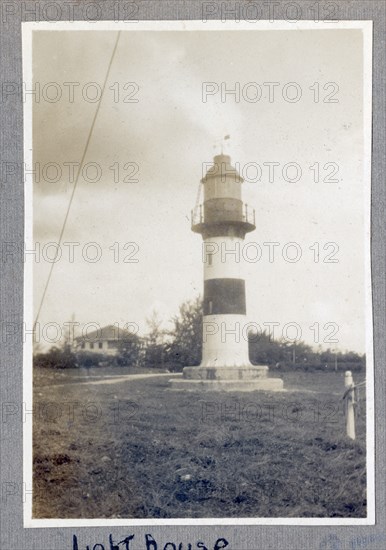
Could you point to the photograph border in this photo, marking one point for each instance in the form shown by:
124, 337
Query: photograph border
247, 537
194, 26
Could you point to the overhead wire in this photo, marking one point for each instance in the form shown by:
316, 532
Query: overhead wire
76, 180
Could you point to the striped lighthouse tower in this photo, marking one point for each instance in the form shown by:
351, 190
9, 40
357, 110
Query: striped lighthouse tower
223, 221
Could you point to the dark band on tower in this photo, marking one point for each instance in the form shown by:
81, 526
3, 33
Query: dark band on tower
224, 296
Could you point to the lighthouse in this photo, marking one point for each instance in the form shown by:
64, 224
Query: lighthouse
223, 220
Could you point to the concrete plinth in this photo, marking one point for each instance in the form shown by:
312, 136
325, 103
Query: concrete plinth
242, 378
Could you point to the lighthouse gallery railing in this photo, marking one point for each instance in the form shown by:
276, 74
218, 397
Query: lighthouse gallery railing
248, 215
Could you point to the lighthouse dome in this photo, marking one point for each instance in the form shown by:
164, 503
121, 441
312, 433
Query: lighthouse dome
222, 168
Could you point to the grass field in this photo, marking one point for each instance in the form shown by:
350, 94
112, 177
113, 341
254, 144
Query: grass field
136, 449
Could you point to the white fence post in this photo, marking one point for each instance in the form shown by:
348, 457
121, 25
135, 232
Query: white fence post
350, 413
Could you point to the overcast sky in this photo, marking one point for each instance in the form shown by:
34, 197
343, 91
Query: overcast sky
169, 133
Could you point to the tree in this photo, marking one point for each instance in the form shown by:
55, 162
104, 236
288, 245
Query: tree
153, 349
264, 350
185, 347
56, 358
129, 348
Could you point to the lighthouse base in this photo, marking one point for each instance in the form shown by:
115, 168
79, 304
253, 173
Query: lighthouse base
241, 378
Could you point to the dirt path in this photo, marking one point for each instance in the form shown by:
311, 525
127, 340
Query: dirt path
112, 379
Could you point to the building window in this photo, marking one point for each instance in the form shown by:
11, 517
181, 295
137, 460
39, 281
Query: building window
100, 345
91, 345
111, 344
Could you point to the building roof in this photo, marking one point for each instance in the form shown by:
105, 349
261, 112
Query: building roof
110, 332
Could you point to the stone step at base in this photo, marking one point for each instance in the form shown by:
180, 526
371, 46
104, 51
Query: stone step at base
243, 372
